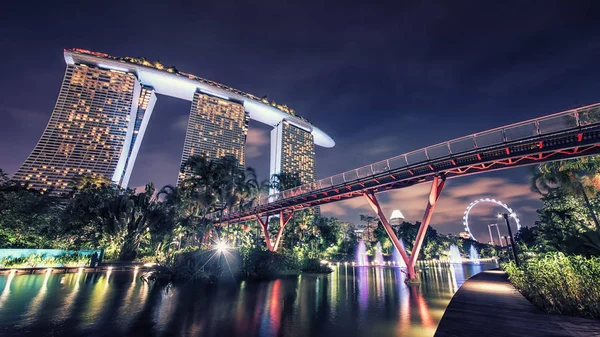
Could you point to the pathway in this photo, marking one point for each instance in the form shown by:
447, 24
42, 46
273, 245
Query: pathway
488, 305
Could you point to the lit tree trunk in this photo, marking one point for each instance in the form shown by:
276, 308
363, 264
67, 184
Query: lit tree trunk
589, 205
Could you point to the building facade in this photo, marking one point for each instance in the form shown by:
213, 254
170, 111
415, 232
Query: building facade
293, 151
217, 127
89, 132
104, 106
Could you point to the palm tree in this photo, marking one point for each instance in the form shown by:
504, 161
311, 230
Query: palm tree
237, 186
284, 181
200, 191
218, 185
577, 177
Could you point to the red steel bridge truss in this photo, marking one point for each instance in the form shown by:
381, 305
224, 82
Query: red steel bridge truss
564, 135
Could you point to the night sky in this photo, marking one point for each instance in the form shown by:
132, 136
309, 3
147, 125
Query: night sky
380, 79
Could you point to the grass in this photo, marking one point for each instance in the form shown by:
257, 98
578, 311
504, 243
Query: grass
556, 283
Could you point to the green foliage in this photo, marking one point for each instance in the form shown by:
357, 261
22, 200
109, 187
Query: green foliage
314, 266
563, 219
28, 219
577, 178
257, 263
35, 260
560, 284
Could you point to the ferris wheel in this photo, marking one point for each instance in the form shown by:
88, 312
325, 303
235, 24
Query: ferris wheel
511, 213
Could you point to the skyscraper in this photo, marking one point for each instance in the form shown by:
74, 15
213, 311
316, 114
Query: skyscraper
217, 127
89, 132
293, 151
104, 107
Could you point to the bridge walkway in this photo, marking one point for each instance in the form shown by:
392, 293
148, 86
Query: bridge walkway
488, 305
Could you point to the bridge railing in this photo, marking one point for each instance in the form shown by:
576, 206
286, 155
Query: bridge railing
558, 122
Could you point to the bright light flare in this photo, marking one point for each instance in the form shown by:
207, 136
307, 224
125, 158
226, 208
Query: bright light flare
222, 246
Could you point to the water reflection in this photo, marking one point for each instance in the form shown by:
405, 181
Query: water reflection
66, 310
6, 290
35, 304
351, 301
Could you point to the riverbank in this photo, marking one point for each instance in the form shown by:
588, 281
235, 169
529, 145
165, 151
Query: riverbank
487, 304
109, 266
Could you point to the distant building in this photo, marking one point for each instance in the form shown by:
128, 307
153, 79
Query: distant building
89, 132
397, 218
216, 128
359, 233
293, 151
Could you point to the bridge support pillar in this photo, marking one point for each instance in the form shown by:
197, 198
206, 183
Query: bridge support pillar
434, 194
372, 199
265, 227
283, 220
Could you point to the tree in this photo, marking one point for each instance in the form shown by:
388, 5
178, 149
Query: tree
284, 181
371, 224
578, 177
28, 219
562, 218
3, 177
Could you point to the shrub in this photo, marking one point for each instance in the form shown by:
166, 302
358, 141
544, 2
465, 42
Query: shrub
560, 284
258, 263
314, 266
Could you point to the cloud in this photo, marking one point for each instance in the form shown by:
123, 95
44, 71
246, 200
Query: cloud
256, 142
449, 210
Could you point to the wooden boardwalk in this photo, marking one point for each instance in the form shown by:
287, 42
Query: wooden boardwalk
488, 305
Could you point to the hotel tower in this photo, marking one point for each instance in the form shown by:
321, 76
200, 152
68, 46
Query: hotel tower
104, 106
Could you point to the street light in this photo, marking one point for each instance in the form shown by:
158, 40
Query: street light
512, 240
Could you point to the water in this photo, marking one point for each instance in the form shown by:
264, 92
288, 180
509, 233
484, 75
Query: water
473, 255
378, 254
351, 301
455, 255
361, 254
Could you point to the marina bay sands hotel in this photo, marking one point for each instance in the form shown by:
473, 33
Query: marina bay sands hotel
104, 107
